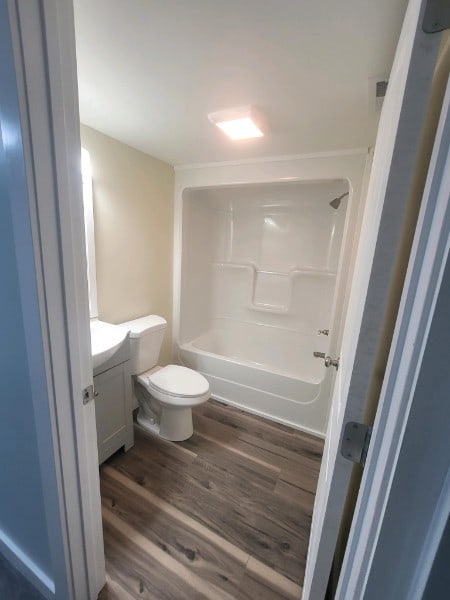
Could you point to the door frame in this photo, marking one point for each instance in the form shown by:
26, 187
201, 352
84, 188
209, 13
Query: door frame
45, 99
378, 277
395, 415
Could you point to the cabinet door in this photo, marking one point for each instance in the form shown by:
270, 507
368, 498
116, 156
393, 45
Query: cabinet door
112, 411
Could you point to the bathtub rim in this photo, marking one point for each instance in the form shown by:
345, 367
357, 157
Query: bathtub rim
190, 346
245, 406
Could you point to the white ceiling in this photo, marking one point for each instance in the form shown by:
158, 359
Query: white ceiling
151, 70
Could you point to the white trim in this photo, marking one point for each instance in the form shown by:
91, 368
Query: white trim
65, 130
428, 258
22, 562
88, 204
266, 159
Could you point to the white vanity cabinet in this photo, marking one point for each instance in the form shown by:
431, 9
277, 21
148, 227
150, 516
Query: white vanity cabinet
113, 403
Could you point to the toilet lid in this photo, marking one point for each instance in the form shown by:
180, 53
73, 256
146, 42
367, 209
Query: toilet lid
179, 381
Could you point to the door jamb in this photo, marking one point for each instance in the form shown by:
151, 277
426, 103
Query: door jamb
423, 280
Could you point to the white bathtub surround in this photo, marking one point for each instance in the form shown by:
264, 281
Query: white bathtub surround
265, 266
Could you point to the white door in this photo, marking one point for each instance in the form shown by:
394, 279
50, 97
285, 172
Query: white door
390, 186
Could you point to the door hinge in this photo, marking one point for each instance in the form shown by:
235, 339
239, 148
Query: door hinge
355, 442
88, 394
436, 16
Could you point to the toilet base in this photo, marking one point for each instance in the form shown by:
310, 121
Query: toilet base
147, 423
175, 424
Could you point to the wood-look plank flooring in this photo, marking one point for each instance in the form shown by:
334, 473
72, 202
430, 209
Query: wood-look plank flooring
225, 514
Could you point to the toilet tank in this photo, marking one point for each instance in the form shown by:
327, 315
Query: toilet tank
146, 337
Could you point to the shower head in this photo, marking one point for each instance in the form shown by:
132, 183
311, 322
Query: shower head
335, 203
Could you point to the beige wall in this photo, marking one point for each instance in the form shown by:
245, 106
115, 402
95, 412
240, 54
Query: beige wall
133, 216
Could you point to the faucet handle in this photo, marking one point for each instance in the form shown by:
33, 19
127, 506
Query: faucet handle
323, 331
329, 361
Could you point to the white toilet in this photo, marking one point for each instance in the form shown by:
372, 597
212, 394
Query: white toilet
165, 395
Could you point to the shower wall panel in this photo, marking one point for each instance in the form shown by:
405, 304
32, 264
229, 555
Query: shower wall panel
261, 261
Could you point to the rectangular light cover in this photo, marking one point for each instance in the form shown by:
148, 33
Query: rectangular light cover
240, 129
237, 123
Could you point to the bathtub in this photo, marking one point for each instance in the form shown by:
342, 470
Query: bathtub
262, 271
280, 380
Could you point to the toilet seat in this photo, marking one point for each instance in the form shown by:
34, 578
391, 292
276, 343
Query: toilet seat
178, 381
176, 385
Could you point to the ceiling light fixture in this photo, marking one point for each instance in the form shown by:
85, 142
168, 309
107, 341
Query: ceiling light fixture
240, 123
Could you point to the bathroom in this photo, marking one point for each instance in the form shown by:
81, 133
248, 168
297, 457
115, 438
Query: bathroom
223, 393
248, 256
246, 250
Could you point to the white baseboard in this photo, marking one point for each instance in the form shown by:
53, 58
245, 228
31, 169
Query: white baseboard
22, 562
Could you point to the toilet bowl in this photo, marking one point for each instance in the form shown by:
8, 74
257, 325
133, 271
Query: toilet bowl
165, 395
